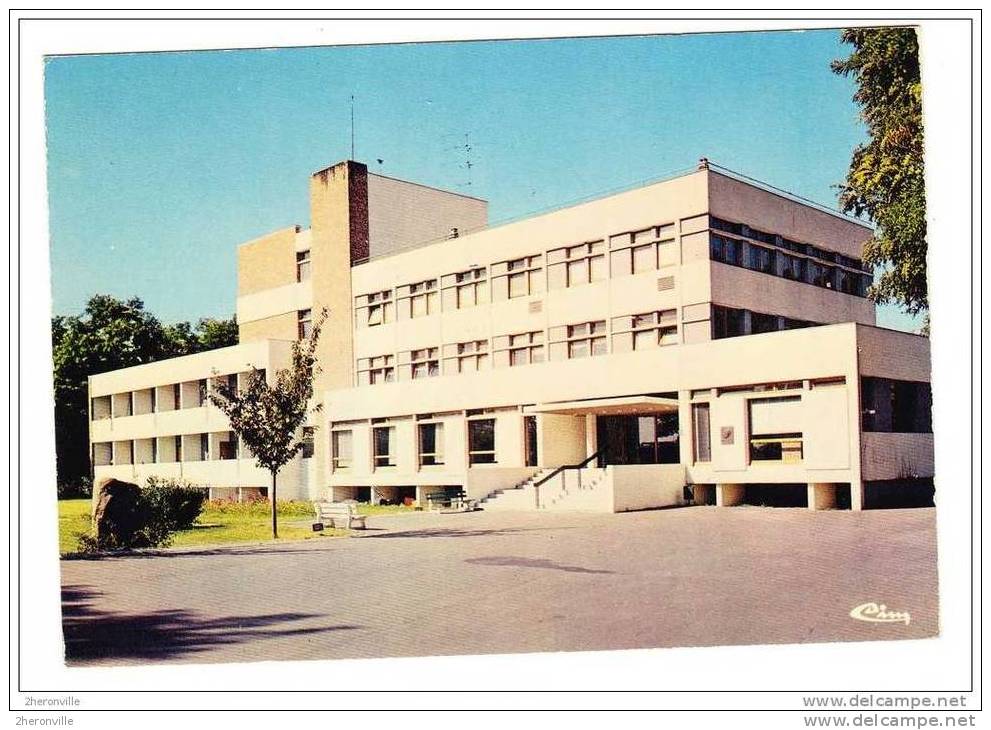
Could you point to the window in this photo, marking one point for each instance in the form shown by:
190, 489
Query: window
524, 348
340, 449
700, 432
228, 447
431, 443
517, 278
820, 275
422, 363
466, 357
763, 323
728, 322
307, 451
574, 341
177, 446
302, 265
645, 331
205, 446
775, 428
792, 267
639, 251
576, 265
464, 289
418, 300
781, 447
760, 259
383, 441
726, 250
896, 406
481, 441
373, 309
304, 323
374, 370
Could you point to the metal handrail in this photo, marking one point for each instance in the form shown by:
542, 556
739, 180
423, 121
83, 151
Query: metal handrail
557, 471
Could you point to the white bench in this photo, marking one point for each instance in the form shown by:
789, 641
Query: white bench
339, 514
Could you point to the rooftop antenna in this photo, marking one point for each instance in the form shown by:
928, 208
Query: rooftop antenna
352, 126
468, 164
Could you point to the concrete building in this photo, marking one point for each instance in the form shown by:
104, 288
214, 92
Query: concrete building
702, 339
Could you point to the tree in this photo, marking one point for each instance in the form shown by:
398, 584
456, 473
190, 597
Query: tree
269, 418
886, 180
213, 333
110, 334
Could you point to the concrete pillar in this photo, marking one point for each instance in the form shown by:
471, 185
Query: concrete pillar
729, 495
686, 448
857, 496
698, 493
591, 435
822, 496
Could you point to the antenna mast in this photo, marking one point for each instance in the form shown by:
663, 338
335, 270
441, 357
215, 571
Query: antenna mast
468, 164
352, 126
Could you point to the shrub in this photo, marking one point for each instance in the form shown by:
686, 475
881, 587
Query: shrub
174, 505
260, 508
145, 517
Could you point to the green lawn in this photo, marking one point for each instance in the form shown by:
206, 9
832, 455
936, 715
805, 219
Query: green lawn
383, 509
219, 523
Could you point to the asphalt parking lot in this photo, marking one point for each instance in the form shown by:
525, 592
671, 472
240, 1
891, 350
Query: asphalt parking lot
482, 582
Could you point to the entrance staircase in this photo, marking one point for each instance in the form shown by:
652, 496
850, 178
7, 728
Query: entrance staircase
519, 497
566, 488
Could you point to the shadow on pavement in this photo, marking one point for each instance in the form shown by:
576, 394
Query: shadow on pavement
91, 634
510, 561
452, 532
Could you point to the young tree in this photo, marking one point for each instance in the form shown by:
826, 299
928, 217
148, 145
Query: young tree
269, 418
886, 180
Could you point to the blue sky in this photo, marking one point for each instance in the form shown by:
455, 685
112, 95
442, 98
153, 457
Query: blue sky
159, 165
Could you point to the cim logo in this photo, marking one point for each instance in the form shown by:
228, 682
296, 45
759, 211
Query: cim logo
879, 614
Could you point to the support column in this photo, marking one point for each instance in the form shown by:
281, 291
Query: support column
686, 437
856, 496
821, 496
729, 495
591, 435
698, 494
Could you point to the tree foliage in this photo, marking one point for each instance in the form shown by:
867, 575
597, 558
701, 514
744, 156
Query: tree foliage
886, 178
110, 334
269, 417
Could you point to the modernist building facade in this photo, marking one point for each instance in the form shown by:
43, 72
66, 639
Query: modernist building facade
703, 339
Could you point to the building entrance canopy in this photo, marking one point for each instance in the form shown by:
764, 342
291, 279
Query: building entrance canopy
624, 405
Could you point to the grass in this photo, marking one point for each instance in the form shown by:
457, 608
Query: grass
383, 509
73, 518
220, 523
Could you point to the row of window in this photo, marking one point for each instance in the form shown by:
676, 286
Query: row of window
806, 249
163, 398
429, 440
170, 449
735, 252
731, 322
627, 253
564, 342
632, 252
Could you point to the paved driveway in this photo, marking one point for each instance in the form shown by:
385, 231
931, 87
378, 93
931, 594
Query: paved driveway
429, 584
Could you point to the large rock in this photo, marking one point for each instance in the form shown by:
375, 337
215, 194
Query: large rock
119, 515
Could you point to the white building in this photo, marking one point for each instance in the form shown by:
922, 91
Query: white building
698, 339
